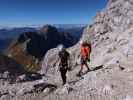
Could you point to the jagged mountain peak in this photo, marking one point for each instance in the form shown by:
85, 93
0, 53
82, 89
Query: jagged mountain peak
48, 29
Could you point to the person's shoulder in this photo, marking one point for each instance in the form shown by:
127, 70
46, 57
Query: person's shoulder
59, 53
67, 53
88, 44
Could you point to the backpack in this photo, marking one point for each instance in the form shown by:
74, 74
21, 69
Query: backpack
63, 55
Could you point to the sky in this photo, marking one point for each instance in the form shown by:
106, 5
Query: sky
39, 12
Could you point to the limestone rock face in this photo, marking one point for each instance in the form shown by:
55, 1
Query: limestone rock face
111, 33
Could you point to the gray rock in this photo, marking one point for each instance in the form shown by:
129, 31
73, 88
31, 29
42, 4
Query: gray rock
128, 97
66, 89
12, 92
21, 78
25, 90
46, 90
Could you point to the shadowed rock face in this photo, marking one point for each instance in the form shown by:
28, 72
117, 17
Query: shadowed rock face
53, 37
10, 65
34, 44
37, 44
19, 54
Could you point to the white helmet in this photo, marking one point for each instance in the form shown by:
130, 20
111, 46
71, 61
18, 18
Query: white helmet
60, 47
81, 41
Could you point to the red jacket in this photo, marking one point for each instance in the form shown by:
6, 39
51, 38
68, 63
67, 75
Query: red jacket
85, 51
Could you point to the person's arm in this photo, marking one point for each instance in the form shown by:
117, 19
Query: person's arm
58, 66
69, 61
56, 61
88, 53
59, 61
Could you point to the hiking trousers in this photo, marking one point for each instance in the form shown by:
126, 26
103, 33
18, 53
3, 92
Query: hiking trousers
63, 71
84, 62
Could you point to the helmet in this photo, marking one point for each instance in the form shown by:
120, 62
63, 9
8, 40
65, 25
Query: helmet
60, 47
81, 41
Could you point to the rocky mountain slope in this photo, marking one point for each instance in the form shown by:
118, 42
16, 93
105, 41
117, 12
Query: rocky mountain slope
112, 31
14, 32
111, 77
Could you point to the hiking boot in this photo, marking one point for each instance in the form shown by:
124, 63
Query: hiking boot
79, 74
63, 83
88, 70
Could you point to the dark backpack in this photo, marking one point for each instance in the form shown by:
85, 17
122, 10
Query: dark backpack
64, 56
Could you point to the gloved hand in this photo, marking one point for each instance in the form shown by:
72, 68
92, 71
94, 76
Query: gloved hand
88, 59
69, 68
58, 69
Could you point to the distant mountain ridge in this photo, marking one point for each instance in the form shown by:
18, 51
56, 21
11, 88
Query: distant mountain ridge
7, 34
14, 32
4, 43
69, 26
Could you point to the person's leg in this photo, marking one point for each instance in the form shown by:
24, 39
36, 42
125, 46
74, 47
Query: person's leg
80, 71
63, 75
81, 68
87, 66
82, 65
61, 72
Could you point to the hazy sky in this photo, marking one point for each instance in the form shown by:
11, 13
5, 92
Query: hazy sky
35, 12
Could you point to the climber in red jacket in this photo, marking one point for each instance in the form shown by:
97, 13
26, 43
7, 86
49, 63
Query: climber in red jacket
85, 51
